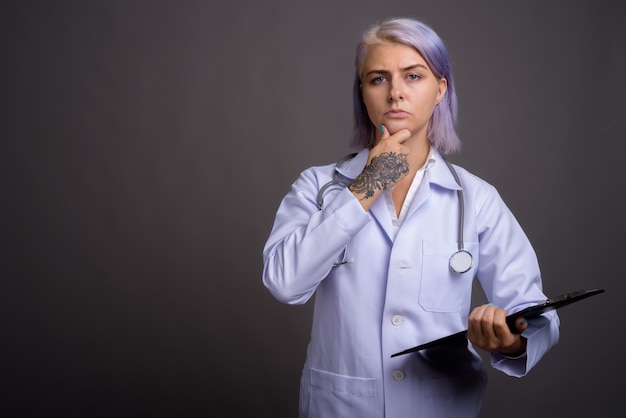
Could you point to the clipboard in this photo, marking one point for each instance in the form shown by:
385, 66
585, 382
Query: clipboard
530, 312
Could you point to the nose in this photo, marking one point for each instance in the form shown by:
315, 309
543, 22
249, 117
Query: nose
395, 93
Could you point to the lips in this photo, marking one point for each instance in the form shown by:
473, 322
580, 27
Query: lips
396, 114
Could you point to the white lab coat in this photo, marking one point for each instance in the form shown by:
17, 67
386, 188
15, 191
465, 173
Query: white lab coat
397, 291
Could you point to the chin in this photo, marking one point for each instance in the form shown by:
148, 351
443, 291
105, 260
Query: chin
394, 127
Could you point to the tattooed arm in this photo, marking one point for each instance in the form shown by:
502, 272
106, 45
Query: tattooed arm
387, 164
381, 172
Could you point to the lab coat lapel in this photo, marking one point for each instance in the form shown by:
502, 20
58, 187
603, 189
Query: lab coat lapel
438, 175
422, 194
380, 212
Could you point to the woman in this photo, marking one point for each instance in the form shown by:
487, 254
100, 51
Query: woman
375, 247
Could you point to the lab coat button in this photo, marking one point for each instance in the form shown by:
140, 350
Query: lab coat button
403, 267
398, 375
397, 320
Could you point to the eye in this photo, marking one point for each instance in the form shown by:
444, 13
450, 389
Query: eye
414, 77
378, 80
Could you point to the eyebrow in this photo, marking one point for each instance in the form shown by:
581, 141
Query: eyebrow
410, 67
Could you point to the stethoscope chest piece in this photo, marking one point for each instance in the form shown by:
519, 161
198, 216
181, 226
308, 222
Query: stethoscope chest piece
461, 261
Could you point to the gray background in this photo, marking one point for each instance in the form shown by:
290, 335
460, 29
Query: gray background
146, 146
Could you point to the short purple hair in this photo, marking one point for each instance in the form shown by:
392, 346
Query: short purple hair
416, 34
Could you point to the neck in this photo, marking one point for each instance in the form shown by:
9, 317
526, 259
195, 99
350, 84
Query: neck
420, 147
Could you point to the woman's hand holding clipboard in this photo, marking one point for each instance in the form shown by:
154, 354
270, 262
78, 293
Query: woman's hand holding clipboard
527, 313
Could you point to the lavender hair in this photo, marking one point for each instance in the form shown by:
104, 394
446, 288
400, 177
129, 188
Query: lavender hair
416, 34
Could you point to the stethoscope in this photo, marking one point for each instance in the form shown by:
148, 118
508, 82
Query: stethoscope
460, 262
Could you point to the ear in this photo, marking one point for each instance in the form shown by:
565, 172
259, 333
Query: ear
441, 89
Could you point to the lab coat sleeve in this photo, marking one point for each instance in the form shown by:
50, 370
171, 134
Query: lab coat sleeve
305, 241
509, 274
542, 333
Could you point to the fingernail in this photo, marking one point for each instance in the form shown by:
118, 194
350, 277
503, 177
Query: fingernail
382, 128
522, 322
491, 304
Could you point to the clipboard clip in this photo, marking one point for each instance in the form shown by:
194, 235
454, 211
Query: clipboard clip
549, 305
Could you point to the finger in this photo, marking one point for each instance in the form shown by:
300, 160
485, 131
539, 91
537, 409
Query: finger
488, 321
475, 320
401, 136
499, 323
385, 132
476, 313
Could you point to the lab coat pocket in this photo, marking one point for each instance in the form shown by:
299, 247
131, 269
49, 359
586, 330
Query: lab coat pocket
441, 289
334, 395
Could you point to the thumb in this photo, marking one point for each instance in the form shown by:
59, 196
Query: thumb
521, 324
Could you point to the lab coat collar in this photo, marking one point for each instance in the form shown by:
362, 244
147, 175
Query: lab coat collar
440, 175
437, 174
352, 167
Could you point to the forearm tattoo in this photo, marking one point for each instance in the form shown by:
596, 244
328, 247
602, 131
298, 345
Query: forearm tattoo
382, 171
